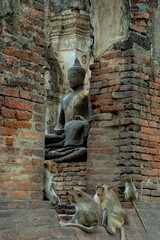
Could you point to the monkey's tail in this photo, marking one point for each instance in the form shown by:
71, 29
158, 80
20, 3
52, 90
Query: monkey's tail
82, 227
122, 233
139, 216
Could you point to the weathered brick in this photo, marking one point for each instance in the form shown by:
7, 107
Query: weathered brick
7, 113
10, 141
23, 116
28, 134
37, 14
18, 124
18, 160
138, 29
20, 104
10, 59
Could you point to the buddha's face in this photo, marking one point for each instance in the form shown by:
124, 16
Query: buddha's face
75, 79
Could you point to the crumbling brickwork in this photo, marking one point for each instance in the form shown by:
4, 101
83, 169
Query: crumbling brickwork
124, 136
125, 97
70, 176
22, 99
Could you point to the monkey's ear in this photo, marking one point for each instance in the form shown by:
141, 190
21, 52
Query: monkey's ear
79, 194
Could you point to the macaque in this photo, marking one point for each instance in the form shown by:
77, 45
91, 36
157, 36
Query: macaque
88, 214
131, 195
49, 185
112, 212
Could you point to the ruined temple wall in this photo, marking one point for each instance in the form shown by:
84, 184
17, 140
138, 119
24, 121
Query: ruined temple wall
124, 89
22, 99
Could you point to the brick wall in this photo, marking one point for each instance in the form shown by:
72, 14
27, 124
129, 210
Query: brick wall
125, 84
69, 176
22, 99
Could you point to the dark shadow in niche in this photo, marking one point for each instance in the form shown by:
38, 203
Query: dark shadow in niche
58, 6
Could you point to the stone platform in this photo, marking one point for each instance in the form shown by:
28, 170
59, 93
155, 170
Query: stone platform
27, 220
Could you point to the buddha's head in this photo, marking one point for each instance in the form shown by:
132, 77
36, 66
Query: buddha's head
76, 75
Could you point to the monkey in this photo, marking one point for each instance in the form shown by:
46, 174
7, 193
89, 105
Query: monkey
88, 214
112, 212
131, 195
79, 117
49, 185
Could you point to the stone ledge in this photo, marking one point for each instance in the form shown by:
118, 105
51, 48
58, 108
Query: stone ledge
36, 220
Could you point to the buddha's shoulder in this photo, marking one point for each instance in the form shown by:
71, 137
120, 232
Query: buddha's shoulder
84, 93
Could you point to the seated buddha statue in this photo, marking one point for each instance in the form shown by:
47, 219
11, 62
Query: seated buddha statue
68, 142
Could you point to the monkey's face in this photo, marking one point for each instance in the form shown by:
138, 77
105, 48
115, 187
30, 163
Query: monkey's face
76, 196
50, 165
99, 190
128, 179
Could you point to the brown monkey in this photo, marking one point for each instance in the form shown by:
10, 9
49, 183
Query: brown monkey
49, 185
88, 214
131, 195
112, 212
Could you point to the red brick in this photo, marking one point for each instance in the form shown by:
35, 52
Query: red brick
1, 100
112, 55
151, 150
27, 74
2, 90
97, 78
1, 80
29, 186
10, 59
95, 66
39, 118
8, 132
35, 135
18, 104
9, 150
141, 22
140, 15
102, 71
39, 127
27, 2
25, 94
149, 172
38, 98
23, 55
147, 130
36, 178
34, 152
23, 116
29, 20
39, 89
12, 92
8, 186
18, 160
116, 108
39, 6
32, 170
7, 113
37, 162
36, 195
138, 29
13, 52
155, 165
37, 14
19, 195
10, 141
18, 124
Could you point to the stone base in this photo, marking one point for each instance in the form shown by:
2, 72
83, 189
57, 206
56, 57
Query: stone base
22, 220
